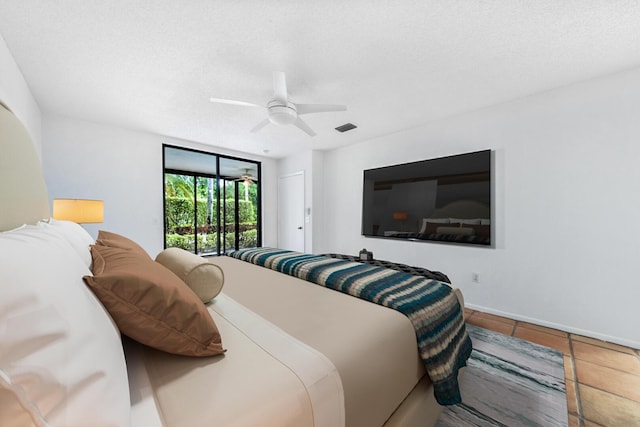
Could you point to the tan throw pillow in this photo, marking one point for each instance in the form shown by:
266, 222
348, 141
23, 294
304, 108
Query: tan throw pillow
113, 240
151, 304
204, 278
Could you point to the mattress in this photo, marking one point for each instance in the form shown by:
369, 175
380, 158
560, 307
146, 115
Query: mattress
265, 378
373, 347
369, 352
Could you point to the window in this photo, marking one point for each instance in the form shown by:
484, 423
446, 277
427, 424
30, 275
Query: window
211, 202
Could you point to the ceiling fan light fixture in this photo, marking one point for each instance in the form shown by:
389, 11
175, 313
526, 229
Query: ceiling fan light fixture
280, 114
281, 111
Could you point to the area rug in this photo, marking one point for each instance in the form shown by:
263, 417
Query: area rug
509, 382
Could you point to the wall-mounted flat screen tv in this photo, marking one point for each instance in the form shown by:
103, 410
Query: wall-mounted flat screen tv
447, 199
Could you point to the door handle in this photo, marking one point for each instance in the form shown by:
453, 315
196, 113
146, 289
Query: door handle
299, 228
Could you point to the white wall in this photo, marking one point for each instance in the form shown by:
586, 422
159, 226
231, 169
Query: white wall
567, 206
310, 162
124, 168
317, 201
16, 95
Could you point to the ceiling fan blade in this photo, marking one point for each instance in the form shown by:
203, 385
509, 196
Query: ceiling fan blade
319, 108
260, 125
301, 124
229, 101
279, 86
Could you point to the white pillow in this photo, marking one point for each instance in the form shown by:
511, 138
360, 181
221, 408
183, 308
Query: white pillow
61, 356
15, 407
14, 229
434, 221
73, 233
204, 278
475, 221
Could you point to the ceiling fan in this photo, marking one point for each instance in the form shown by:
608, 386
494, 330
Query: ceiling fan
246, 179
281, 111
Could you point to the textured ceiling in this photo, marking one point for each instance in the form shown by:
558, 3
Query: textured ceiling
152, 65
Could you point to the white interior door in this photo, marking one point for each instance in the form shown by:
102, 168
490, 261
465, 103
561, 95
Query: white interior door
291, 212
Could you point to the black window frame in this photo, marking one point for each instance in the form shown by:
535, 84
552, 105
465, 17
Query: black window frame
220, 246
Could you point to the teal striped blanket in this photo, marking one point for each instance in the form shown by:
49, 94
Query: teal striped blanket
431, 306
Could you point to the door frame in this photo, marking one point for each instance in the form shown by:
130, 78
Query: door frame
304, 201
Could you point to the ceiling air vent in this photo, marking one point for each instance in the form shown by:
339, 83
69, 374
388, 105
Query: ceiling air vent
346, 127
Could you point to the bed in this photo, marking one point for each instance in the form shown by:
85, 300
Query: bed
462, 221
286, 352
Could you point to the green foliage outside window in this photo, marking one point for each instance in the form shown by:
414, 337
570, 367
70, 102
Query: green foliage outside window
180, 210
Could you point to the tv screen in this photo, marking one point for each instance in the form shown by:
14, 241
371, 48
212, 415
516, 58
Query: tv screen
447, 199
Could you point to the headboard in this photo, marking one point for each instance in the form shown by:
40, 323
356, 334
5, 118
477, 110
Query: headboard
23, 192
463, 209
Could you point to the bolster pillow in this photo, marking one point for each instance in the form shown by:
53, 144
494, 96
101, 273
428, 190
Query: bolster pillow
204, 278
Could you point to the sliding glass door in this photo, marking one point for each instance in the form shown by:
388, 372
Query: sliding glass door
206, 215
179, 211
211, 202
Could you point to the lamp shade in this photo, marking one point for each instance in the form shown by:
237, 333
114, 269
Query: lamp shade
400, 216
78, 210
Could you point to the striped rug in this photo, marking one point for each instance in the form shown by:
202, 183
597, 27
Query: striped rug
509, 382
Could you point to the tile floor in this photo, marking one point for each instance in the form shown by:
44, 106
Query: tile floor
602, 379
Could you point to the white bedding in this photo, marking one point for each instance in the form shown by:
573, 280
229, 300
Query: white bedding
373, 347
144, 411
319, 376
266, 378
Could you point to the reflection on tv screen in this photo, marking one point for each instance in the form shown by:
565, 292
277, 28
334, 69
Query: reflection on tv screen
446, 199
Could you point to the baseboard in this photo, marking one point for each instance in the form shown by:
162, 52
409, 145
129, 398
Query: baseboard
569, 329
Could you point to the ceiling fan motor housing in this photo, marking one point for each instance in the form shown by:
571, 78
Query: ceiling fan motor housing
282, 113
